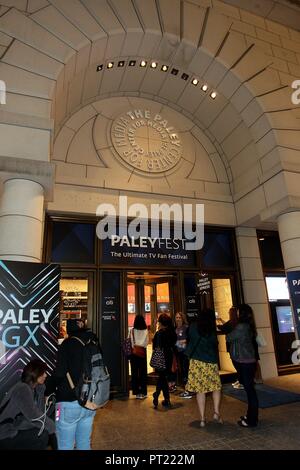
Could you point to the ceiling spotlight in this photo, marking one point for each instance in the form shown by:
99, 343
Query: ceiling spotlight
132, 63
99, 67
195, 81
143, 63
110, 65
261, 239
121, 63
153, 65
213, 94
164, 68
184, 76
174, 71
205, 87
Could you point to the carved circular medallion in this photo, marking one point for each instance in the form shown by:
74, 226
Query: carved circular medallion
146, 141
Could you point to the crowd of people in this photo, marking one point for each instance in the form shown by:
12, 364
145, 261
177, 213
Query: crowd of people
188, 356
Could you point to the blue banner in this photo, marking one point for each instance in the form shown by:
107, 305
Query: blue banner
293, 278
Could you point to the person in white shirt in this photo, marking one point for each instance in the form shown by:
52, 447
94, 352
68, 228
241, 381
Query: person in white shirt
138, 359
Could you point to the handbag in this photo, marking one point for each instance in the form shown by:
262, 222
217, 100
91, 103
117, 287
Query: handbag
139, 351
158, 360
127, 347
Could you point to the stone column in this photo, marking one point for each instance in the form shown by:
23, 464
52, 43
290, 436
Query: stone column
289, 233
21, 220
255, 294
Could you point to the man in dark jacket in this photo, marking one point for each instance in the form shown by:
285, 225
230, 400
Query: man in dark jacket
73, 422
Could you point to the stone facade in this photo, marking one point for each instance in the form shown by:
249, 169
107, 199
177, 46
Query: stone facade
239, 152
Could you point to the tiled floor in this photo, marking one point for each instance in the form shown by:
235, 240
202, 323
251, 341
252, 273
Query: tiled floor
127, 424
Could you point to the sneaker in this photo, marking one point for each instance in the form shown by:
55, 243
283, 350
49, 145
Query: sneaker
239, 386
186, 395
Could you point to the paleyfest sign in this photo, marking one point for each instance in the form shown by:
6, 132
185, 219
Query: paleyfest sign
29, 299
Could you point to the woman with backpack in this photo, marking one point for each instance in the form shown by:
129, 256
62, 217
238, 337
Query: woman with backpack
244, 353
73, 422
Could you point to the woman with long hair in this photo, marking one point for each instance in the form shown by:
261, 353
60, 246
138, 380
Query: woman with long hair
181, 328
244, 354
138, 360
23, 414
165, 339
203, 370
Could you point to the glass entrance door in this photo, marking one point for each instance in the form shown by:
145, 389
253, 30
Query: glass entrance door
149, 295
76, 293
222, 299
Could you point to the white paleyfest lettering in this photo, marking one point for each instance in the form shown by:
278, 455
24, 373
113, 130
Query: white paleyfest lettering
296, 282
18, 317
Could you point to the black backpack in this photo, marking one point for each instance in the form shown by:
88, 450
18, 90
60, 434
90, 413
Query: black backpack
93, 387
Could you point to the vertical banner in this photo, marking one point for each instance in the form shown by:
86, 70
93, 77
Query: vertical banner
29, 301
111, 324
293, 278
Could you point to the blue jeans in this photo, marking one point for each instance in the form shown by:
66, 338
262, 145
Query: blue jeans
73, 426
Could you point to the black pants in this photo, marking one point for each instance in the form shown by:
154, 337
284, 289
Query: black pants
162, 384
246, 374
183, 362
27, 439
138, 375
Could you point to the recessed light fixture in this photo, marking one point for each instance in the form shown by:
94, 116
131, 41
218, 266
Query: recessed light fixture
110, 65
195, 81
184, 76
143, 63
121, 63
261, 239
164, 68
205, 87
132, 63
99, 67
153, 65
174, 71
213, 95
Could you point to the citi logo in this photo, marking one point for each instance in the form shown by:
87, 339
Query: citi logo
2, 92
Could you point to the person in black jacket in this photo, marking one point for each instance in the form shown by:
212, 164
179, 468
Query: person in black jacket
73, 422
165, 338
24, 423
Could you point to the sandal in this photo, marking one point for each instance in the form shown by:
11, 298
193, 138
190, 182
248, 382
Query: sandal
217, 418
202, 423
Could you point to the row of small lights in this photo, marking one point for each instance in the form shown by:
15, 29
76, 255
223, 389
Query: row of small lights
164, 68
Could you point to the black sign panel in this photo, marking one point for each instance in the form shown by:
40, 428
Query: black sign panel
110, 324
29, 300
203, 284
147, 251
191, 295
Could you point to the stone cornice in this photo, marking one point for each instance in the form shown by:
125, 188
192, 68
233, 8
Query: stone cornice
33, 170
